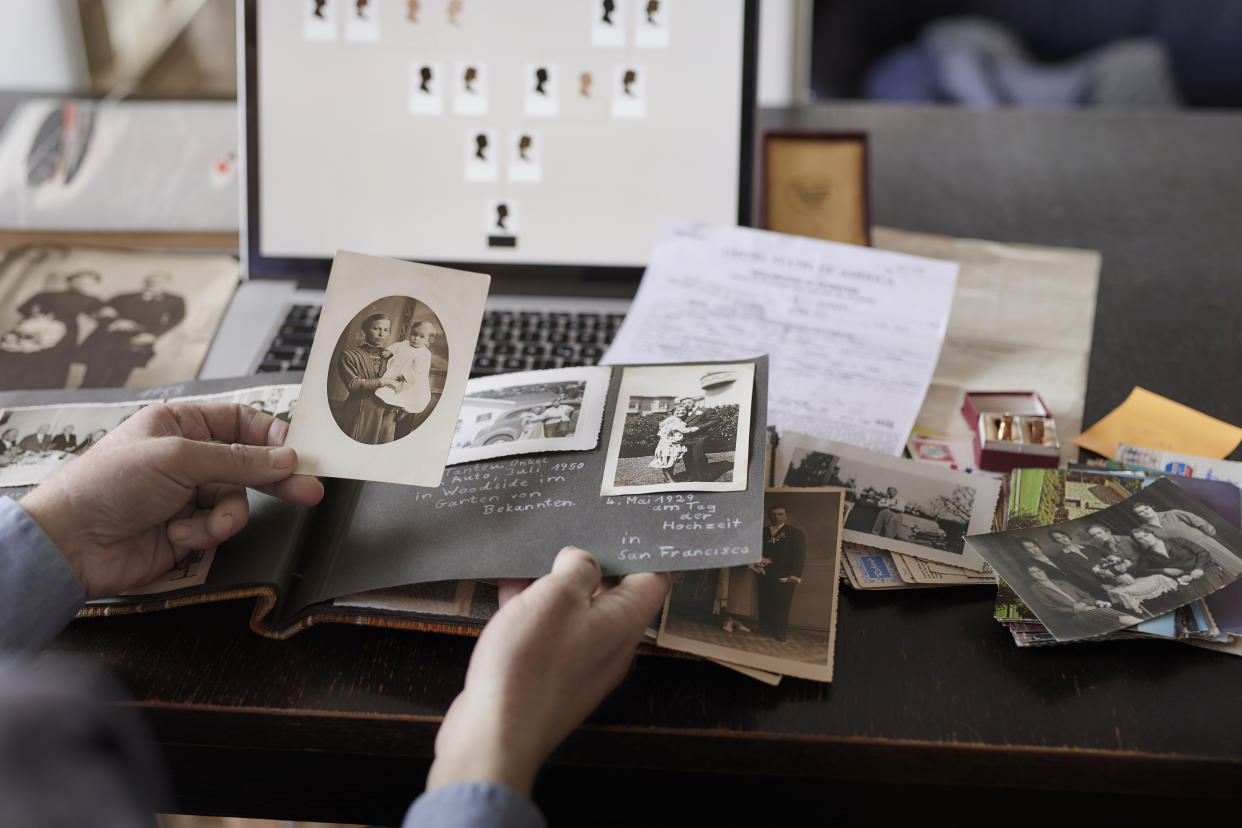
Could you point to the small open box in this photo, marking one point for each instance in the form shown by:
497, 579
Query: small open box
1013, 429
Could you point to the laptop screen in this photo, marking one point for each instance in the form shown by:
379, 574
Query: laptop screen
542, 138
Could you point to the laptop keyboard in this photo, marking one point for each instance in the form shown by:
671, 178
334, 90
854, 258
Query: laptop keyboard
508, 340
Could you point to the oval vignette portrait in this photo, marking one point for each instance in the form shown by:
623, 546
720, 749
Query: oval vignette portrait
388, 370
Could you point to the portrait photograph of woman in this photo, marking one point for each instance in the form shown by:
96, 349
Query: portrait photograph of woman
387, 370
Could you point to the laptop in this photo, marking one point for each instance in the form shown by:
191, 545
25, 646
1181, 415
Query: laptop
537, 142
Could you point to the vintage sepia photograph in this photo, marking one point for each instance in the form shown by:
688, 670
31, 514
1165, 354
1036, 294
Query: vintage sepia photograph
387, 370
36, 441
779, 614
902, 506
1138, 559
389, 366
84, 318
533, 411
680, 428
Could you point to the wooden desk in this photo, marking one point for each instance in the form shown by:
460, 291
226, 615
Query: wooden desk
933, 707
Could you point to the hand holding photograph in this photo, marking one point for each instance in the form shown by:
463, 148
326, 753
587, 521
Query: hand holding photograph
388, 366
1151, 553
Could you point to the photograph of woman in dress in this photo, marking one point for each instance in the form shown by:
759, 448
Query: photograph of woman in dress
671, 446
388, 370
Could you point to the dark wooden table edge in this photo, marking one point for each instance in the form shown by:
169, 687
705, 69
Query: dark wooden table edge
411, 738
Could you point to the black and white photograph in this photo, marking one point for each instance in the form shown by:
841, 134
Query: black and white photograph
556, 410
85, 318
1153, 552
482, 154
36, 441
651, 24
387, 370
277, 401
778, 614
629, 91
542, 90
608, 22
680, 428
320, 21
362, 21
899, 505
426, 87
470, 88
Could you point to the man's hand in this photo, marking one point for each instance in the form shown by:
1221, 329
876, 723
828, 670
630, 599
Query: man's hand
168, 480
544, 662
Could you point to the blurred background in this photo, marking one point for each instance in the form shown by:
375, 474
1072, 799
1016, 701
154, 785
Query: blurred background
1169, 53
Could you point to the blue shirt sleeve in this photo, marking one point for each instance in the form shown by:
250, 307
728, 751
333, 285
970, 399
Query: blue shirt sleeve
473, 805
39, 594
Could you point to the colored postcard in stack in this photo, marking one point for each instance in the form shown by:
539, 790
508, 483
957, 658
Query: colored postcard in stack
1087, 555
906, 521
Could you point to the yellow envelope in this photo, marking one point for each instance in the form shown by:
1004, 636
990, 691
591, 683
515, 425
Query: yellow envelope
1155, 422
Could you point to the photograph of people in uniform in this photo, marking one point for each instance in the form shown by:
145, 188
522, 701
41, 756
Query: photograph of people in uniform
388, 370
777, 614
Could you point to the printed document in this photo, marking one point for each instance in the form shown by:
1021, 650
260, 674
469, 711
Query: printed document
853, 333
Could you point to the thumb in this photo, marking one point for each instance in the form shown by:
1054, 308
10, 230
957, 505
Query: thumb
237, 463
578, 569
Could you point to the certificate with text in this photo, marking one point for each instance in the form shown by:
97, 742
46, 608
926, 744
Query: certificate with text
853, 333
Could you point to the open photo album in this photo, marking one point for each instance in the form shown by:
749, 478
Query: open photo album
427, 557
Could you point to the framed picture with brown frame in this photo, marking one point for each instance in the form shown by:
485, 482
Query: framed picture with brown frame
816, 184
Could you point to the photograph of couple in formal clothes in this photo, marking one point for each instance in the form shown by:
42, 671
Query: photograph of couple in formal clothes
682, 435
681, 428
779, 613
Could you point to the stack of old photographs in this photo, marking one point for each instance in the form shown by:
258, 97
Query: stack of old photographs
906, 521
1089, 555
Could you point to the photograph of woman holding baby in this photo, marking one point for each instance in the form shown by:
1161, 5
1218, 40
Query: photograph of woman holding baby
389, 369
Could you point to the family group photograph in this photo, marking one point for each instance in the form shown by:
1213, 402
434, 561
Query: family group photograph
83, 318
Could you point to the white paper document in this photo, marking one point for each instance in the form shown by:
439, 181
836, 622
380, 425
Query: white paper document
853, 333
1022, 320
